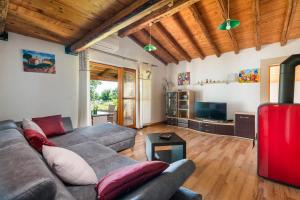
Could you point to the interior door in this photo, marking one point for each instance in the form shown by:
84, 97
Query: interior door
127, 97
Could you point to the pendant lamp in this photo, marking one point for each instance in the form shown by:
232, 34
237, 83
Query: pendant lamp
229, 23
150, 47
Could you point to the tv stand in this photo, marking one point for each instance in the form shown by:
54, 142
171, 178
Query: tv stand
212, 126
243, 126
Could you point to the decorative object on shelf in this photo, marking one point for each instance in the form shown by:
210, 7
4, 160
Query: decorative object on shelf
145, 72
229, 23
184, 78
249, 76
231, 78
34, 61
150, 47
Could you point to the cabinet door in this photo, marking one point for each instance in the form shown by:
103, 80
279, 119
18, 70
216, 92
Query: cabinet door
209, 128
194, 125
224, 129
245, 126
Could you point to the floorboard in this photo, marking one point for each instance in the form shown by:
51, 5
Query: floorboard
225, 166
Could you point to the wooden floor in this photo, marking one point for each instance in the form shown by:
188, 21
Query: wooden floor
225, 166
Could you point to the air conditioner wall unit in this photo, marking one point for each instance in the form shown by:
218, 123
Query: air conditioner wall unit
110, 44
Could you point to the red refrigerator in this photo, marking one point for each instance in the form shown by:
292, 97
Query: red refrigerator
279, 131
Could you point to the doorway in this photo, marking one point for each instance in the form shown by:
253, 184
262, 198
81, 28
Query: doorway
117, 100
274, 72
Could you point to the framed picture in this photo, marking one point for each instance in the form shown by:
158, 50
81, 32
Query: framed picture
34, 61
249, 76
184, 78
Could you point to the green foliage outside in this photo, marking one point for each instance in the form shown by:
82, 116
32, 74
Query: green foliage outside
103, 100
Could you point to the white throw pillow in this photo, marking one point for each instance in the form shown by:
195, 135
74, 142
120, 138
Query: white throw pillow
28, 124
69, 166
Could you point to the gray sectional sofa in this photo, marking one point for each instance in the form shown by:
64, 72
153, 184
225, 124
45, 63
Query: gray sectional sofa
24, 175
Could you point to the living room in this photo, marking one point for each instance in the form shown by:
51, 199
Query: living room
149, 99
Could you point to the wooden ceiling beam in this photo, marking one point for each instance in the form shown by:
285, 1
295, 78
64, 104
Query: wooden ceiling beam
230, 32
156, 16
256, 13
290, 13
202, 25
132, 37
168, 36
116, 23
180, 22
3, 14
159, 46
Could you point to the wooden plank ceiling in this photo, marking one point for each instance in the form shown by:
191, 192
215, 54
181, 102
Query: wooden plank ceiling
185, 31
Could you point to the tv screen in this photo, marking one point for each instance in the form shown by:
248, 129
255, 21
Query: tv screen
211, 110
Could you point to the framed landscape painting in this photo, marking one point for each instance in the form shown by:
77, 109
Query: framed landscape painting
34, 61
184, 78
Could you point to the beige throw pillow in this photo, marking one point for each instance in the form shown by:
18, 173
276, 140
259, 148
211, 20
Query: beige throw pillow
28, 124
69, 166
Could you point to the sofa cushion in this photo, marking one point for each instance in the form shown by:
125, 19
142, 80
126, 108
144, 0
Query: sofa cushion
24, 176
103, 160
51, 125
10, 137
69, 166
18, 179
92, 152
107, 134
128, 178
7, 124
37, 140
101, 168
28, 124
165, 185
69, 139
114, 136
68, 126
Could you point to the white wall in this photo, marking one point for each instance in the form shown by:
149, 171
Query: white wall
131, 50
26, 94
240, 97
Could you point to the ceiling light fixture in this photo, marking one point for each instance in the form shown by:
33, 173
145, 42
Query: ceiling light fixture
150, 47
229, 23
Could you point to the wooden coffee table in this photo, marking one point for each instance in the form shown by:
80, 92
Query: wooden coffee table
177, 151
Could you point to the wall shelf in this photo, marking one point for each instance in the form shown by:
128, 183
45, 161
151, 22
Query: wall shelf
202, 83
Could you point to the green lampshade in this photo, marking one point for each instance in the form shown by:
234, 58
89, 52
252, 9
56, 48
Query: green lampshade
229, 24
150, 47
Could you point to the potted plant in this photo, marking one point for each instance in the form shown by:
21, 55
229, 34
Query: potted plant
95, 108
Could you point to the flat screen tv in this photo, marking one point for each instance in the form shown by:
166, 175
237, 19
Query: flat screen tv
211, 110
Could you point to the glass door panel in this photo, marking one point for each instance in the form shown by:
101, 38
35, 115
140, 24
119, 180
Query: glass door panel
128, 115
127, 100
129, 84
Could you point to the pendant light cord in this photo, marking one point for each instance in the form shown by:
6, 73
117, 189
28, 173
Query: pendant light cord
150, 31
228, 9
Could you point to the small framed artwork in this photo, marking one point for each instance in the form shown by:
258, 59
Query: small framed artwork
249, 76
184, 78
40, 62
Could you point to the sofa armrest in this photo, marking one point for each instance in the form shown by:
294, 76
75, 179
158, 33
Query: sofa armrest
185, 194
8, 124
165, 185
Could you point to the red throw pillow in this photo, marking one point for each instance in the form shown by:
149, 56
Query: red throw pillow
51, 125
37, 140
128, 178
